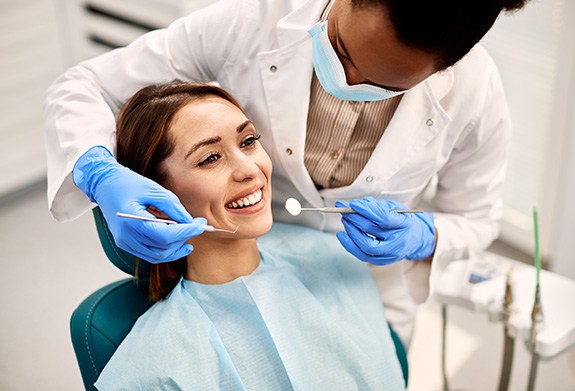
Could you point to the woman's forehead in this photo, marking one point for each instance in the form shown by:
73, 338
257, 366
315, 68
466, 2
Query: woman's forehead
207, 115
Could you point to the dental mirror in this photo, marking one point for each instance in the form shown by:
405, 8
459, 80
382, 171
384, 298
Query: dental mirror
294, 208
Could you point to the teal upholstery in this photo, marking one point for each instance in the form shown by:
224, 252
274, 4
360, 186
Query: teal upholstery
104, 318
101, 322
401, 354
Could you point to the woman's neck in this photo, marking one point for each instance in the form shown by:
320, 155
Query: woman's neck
217, 261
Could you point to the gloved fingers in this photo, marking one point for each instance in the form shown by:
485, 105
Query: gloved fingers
157, 255
167, 202
168, 256
166, 235
148, 253
379, 211
369, 224
387, 250
354, 250
351, 247
364, 224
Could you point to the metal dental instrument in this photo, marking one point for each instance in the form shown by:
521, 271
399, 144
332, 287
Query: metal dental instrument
208, 228
294, 208
537, 312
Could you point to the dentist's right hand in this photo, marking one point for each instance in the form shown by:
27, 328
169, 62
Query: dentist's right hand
115, 188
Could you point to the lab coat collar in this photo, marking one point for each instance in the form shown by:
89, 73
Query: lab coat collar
439, 84
295, 25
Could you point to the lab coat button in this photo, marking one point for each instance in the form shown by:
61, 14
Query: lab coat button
289, 151
273, 68
369, 179
429, 122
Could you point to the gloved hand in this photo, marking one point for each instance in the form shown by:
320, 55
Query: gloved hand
115, 188
379, 236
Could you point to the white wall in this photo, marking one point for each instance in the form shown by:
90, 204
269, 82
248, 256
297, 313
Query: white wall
535, 52
32, 50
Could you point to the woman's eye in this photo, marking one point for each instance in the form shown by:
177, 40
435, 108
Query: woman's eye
250, 140
212, 158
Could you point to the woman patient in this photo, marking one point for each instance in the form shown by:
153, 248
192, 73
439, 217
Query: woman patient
290, 311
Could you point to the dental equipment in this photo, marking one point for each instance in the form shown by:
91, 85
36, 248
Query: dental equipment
294, 208
509, 343
537, 311
208, 228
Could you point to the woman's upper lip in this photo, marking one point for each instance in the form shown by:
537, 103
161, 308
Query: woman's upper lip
244, 193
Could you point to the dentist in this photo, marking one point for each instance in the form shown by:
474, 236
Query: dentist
371, 104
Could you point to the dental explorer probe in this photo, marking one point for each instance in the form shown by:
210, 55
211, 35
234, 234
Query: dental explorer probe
294, 208
208, 228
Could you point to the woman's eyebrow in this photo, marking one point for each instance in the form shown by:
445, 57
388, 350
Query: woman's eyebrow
243, 125
208, 141
214, 140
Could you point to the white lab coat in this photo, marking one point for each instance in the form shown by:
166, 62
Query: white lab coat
448, 137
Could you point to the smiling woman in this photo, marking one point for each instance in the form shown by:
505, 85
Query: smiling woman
239, 313
196, 141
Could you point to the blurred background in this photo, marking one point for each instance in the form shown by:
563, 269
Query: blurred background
48, 268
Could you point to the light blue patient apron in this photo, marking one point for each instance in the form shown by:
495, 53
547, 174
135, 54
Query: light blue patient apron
308, 318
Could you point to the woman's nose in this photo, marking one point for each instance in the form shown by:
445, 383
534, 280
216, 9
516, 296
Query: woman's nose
245, 168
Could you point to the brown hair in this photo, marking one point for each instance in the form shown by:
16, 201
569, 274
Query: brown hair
143, 142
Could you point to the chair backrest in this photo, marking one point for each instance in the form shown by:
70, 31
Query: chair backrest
104, 318
101, 322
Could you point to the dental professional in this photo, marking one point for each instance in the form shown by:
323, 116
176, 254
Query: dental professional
366, 102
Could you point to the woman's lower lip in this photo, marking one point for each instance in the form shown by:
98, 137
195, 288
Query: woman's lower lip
249, 209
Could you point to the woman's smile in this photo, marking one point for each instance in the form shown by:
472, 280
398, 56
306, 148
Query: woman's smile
245, 201
250, 203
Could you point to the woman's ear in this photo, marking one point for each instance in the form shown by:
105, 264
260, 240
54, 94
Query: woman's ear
156, 212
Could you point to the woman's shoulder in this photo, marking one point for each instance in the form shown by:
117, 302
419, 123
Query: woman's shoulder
171, 332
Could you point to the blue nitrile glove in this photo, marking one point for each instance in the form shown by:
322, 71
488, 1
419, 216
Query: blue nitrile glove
379, 236
115, 188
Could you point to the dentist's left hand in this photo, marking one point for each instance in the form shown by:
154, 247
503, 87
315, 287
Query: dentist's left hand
379, 236
116, 188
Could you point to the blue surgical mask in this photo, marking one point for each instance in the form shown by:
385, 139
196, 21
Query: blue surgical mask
331, 74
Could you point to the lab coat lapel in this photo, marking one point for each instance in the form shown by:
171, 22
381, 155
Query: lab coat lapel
417, 120
287, 95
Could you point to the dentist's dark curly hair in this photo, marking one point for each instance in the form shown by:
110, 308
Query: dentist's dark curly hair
446, 28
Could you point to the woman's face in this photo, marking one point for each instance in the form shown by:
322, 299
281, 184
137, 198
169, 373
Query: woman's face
218, 169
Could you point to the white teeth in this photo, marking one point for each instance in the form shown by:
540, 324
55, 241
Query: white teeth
252, 199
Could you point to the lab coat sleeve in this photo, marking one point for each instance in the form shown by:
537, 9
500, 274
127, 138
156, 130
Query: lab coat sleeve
468, 198
80, 106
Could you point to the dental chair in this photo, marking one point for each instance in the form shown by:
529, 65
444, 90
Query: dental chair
103, 319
